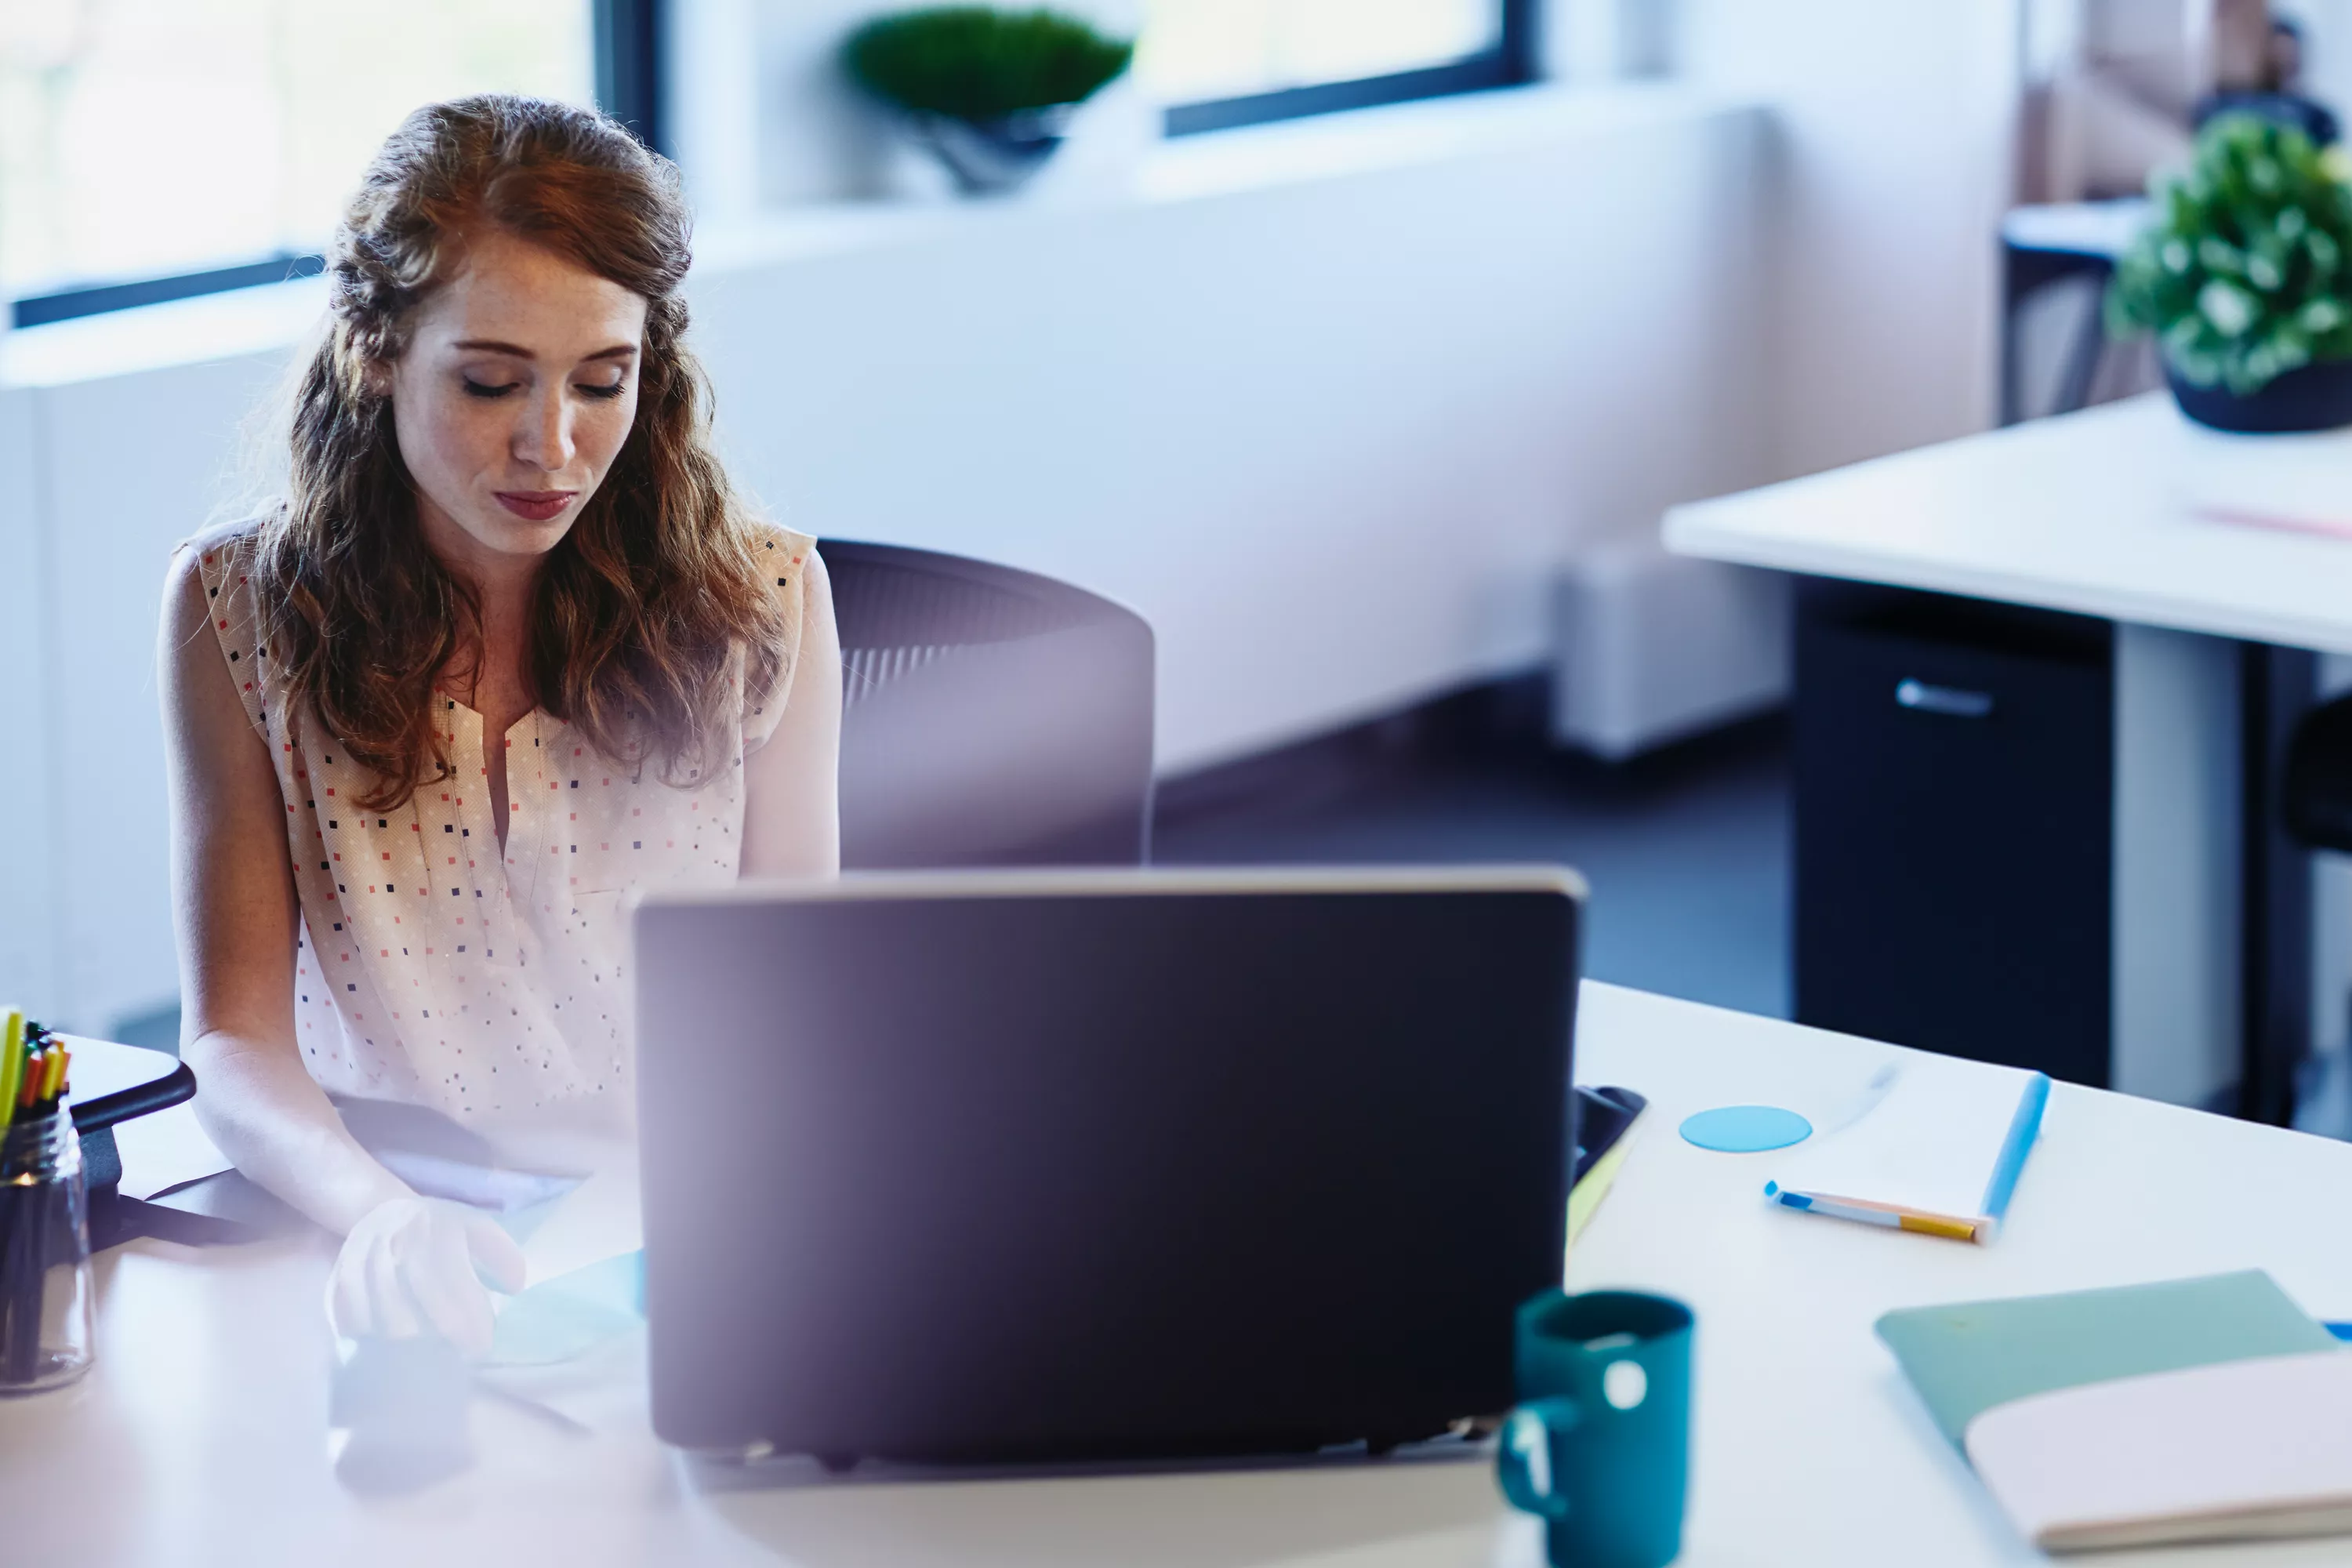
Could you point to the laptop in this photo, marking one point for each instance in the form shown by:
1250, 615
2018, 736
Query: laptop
1032, 1166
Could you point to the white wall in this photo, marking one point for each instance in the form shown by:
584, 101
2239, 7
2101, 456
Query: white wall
1332, 436
2327, 46
27, 937
129, 465
1892, 164
711, 97
817, 139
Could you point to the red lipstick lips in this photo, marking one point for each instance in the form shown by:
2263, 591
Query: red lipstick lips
536, 506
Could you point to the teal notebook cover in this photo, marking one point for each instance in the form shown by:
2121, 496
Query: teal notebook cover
1965, 1358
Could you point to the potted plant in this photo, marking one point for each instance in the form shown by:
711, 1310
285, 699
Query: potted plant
2245, 277
989, 92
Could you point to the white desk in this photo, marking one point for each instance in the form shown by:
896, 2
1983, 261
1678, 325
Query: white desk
199, 1437
2093, 512
2183, 537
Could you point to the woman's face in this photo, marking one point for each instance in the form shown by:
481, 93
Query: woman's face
517, 387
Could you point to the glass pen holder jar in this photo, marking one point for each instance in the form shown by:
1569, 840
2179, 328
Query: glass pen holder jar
44, 1284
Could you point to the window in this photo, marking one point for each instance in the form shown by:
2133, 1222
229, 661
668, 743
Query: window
1237, 62
154, 149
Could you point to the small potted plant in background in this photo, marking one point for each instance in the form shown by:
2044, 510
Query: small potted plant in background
989, 92
2245, 277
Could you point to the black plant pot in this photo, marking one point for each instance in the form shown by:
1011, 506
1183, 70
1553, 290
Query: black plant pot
2315, 397
989, 157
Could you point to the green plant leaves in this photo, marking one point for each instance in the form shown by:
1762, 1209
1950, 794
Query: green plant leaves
976, 63
2242, 272
2228, 311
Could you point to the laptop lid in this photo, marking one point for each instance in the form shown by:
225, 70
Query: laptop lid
1021, 1165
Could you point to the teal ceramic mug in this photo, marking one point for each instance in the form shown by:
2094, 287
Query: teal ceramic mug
1599, 1445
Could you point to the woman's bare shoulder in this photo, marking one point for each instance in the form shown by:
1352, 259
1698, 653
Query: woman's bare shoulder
203, 557
209, 618
235, 534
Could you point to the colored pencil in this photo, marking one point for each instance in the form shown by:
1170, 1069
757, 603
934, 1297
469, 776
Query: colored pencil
12, 1065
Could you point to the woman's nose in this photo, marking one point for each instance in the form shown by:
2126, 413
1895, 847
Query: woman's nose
543, 436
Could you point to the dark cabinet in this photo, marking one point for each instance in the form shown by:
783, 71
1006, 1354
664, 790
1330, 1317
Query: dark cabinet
1954, 828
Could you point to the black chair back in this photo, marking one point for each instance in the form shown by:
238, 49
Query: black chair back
990, 717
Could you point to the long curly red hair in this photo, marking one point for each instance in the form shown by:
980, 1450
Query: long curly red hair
649, 611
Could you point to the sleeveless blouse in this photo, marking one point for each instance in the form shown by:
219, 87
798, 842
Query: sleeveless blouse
430, 966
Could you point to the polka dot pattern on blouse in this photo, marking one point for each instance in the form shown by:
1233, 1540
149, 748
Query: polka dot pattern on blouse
435, 968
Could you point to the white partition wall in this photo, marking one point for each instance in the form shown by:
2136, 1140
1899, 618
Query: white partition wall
1892, 162
125, 456
1331, 434
28, 850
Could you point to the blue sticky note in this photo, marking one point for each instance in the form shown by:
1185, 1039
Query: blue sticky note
1746, 1128
565, 1318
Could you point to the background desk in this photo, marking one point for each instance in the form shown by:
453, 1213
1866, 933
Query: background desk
199, 1437
2096, 514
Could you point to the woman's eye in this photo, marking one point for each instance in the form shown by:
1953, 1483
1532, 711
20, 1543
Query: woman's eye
607, 392
483, 389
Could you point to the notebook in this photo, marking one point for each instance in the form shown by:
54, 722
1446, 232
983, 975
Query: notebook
1606, 1120
1940, 1152
1966, 1358
2185, 1410
2238, 1450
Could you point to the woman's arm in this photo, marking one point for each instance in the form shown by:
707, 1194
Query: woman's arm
791, 808
235, 910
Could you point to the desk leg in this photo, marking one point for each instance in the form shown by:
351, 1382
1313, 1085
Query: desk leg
2276, 685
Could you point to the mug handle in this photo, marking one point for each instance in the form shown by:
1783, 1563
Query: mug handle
1525, 1460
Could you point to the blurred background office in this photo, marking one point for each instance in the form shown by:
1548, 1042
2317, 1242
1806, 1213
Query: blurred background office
1357, 345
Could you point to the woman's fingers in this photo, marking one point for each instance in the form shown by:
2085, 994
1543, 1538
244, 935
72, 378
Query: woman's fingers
496, 1256
452, 1303
347, 1298
418, 1266
393, 1315
440, 1278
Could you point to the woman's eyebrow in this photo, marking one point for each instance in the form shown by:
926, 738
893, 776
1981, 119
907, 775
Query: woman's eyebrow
515, 350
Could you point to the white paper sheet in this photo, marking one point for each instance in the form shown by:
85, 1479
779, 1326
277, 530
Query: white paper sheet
163, 1151
1928, 1147
2244, 1449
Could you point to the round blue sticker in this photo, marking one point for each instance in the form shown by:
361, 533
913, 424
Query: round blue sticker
1746, 1128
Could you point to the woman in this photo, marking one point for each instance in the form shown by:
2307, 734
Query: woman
508, 648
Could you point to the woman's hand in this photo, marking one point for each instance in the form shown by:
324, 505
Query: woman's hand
416, 1266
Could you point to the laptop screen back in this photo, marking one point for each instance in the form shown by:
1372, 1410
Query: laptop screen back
1018, 1166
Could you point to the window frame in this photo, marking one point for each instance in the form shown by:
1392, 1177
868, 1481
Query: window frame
1512, 62
627, 37
631, 60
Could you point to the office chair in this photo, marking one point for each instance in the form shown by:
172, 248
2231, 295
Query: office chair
2316, 791
990, 717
